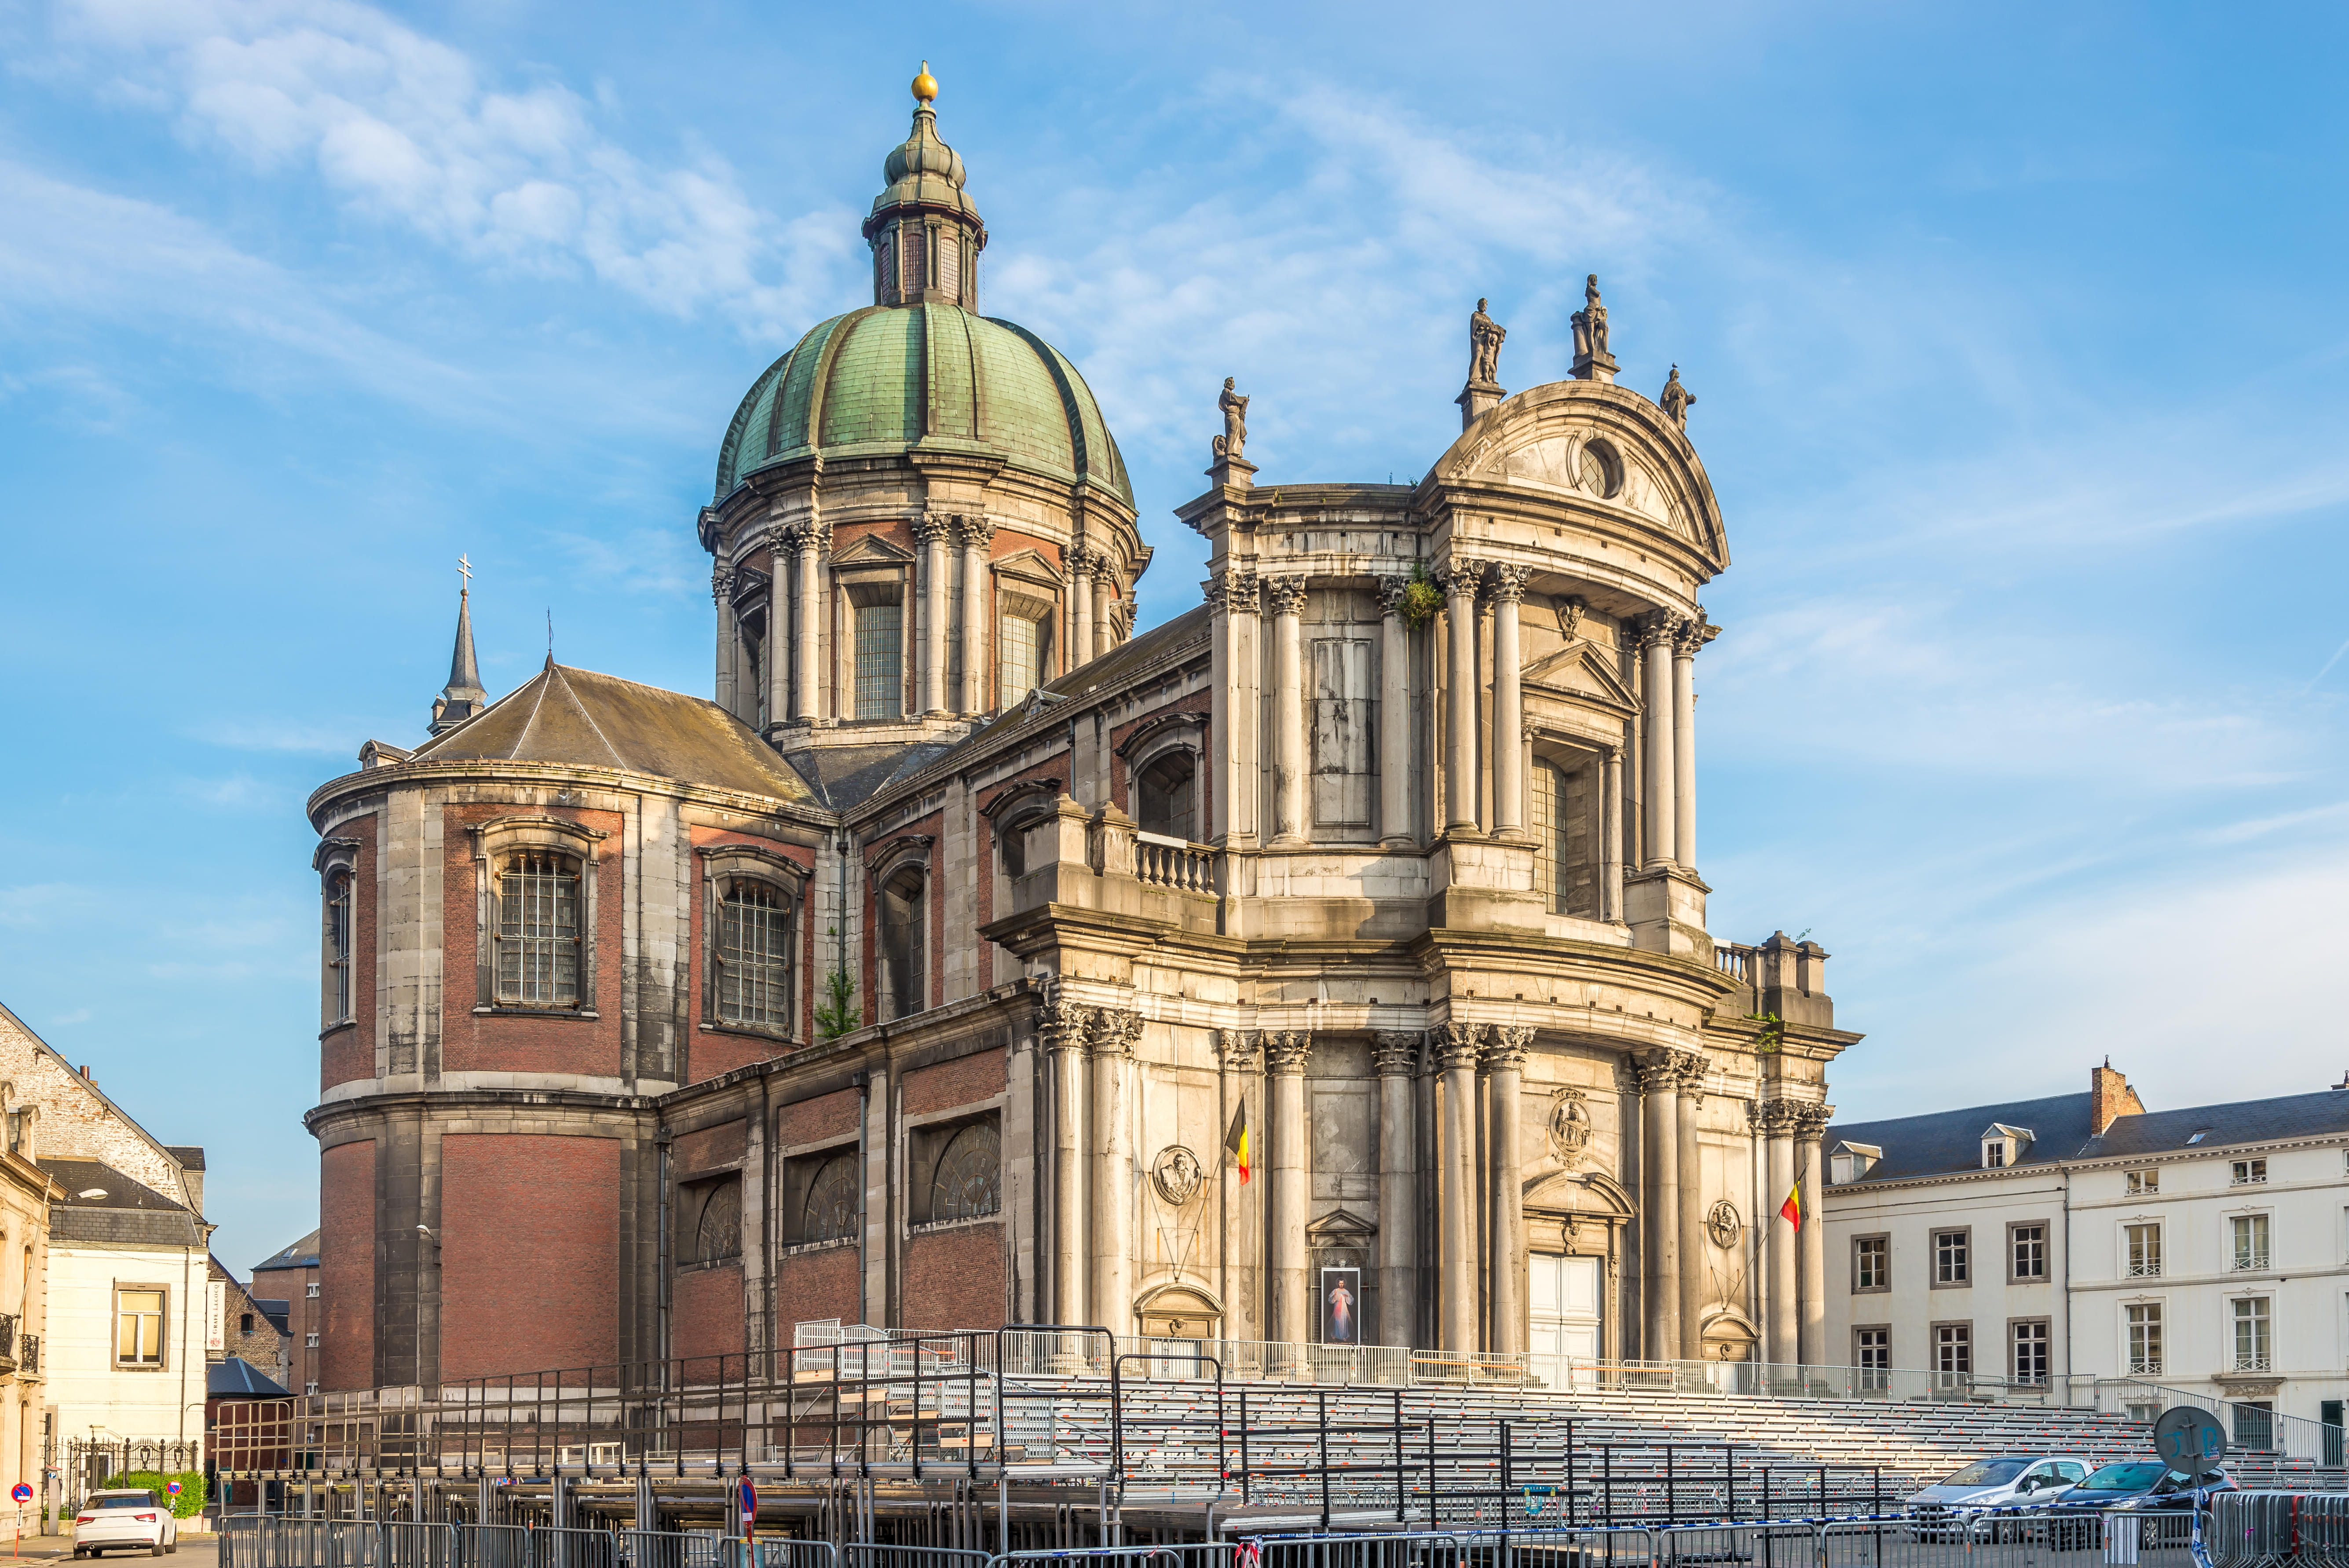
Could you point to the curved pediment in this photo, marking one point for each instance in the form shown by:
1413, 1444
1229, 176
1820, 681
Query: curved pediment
1579, 1192
1595, 447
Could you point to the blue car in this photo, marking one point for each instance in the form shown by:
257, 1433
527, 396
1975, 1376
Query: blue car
2136, 1486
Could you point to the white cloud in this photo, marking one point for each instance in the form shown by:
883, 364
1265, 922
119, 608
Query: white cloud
406, 129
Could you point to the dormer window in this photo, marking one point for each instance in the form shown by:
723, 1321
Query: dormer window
1852, 1161
2002, 1145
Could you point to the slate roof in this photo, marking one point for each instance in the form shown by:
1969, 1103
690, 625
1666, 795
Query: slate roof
1115, 665
581, 718
1951, 1140
238, 1378
121, 1213
302, 1254
191, 1156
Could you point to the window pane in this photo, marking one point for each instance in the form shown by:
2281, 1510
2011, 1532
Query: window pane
1018, 658
538, 929
1547, 850
829, 1214
754, 956
1162, 802
880, 661
969, 1180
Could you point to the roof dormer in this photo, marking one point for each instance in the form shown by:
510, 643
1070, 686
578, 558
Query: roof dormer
1850, 1162
2002, 1145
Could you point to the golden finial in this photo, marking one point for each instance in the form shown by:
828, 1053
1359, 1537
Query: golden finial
925, 85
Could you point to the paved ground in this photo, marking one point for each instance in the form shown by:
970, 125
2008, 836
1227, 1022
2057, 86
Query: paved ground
195, 1551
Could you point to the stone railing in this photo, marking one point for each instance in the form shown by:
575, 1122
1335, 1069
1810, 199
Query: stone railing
1735, 960
1174, 864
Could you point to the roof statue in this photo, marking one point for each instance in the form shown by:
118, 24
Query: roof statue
1235, 407
1676, 400
1485, 339
1591, 360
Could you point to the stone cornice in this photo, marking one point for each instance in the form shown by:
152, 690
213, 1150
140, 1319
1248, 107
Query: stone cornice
488, 770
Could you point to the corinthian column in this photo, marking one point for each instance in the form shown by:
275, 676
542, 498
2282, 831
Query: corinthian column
1080, 606
1288, 762
1455, 1208
1288, 1194
730, 634
975, 534
931, 530
1063, 1027
1505, 1059
1508, 589
1656, 770
1610, 838
1394, 720
1104, 595
1811, 1241
1397, 1056
1660, 1168
1114, 1031
1689, 1215
1242, 1256
1236, 664
810, 541
1687, 638
1781, 1341
1459, 582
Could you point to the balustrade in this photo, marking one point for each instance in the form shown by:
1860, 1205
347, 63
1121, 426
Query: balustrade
1174, 864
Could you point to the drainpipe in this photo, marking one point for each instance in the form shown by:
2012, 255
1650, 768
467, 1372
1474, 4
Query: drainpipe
864, 1120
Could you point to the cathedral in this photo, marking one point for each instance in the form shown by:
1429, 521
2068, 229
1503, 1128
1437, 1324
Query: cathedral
1327, 965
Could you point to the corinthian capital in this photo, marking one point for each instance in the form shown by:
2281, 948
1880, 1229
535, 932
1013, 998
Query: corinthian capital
1286, 1050
721, 581
932, 527
1396, 1052
1235, 591
1114, 1031
974, 533
1690, 635
1287, 594
1506, 585
1505, 1046
1239, 1050
1667, 1070
1458, 1045
1458, 577
1658, 628
1061, 1024
1811, 1121
1390, 592
1773, 1118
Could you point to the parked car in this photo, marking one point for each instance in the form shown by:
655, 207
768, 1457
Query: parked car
2133, 1486
126, 1520
1959, 1506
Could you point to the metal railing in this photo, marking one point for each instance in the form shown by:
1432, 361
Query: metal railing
1779, 1381
2251, 1429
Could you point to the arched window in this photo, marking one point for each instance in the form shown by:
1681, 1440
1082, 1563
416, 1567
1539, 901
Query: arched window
1549, 843
754, 955
338, 948
538, 929
1164, 794
969, 1181
830, 1213
718, 1228
904, 991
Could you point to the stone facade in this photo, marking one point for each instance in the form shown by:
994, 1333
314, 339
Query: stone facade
1386, 851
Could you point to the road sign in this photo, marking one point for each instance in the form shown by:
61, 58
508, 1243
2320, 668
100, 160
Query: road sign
173, 1488
750, 1504
2190, 1438
21, 1492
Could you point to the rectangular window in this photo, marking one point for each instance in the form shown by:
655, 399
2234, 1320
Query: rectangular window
1341, 732
880, 661
338, 948
1994, 1153
2144, 1338
2144, 1245
2250, 1172
2030, 1357
1871, 1262
754, 955
2251, 1326
2250, 1237
1953, 1350
138, 1327
538, 929
2141, 1182
1542, 808
2029, 1245
1019, 657
1871, 1349
1950, 1259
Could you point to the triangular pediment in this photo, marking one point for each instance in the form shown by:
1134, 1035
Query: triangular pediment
872, 550
1341, 1225
1582, 669
1029, 563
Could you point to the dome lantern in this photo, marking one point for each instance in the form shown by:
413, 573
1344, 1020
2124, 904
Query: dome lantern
926, 235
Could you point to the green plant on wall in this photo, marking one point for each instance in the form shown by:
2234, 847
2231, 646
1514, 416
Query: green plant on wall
187, 1505
839, 1014
1772, 1036
1420, 601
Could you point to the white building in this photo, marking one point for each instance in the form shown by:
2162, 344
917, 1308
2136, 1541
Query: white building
2126, 1258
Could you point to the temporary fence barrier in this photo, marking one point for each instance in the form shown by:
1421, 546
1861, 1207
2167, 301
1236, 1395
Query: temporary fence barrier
2251, 1529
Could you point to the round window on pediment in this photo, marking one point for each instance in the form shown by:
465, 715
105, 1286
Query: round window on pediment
1602, 469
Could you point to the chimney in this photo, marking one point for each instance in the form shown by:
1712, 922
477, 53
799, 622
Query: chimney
2110, 1098
86, 1072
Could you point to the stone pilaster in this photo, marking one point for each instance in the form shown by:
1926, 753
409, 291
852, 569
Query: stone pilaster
1288, 1194
1112, 1039
775, 700
1396, 1055
730, 634
1235, 665
1774, 1119
1656, 715
1660, 1200
1080, 604
1240, 1054
1457, 1047
1289, 759
1611, 836
975, 535
1062, 1027
1458, 580
1688, 636
930, 532
1810, 1242
1689, 1213
1505, 1061
1506, 591
1394, 719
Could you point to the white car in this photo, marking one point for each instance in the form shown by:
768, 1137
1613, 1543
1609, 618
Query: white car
125, 1520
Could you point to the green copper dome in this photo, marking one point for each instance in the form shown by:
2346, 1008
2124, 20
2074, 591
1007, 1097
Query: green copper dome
930, 376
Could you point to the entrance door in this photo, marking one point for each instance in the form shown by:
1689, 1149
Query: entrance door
1565, 1315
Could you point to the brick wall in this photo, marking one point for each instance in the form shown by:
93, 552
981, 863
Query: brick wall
76, 1122
963, 1081
347, 1265
349, 1052
817, 1284
954, 1279
715, 1053
709, 1147
813, 1120
529, 1266
706, 1311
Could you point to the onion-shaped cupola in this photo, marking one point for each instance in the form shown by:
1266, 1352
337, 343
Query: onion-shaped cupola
926, 235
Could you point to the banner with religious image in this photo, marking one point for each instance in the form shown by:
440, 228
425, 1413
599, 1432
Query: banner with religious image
1341, 1307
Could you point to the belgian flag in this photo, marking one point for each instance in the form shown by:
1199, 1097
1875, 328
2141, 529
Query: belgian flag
1791, 1210
1235, 1141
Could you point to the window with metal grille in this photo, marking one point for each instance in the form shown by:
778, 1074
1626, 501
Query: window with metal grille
1954, 1348
754, 955
2251, 1235
2144, 1337
338, 948
1950, 1261
1872, 1348
2143, 1243
138, 1327
880, 661
1019, 657
538, 929
2031, 1351
2251, 1339
2030, 1246
1550, 850
968, 1180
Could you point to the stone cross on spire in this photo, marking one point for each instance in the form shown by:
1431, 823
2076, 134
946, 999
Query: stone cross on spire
462, 697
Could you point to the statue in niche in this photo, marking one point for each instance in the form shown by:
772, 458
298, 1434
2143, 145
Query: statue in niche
1485, 338
1229, 444
1590, 323
1675, 399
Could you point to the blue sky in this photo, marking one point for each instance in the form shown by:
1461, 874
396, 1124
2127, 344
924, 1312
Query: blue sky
2017, 337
